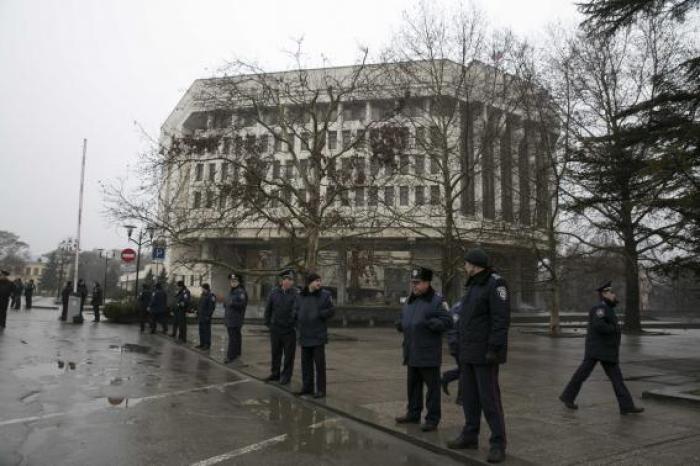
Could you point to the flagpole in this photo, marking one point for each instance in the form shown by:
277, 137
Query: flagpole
80, 219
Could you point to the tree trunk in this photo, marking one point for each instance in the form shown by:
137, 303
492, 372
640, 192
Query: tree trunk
312, 240
633, 322
554, 323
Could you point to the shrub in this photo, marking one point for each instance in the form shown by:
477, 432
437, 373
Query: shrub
121, 311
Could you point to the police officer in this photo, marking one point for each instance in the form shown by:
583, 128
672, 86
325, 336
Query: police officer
96, 300
602, 345
235, 304
82, 292
158, 308
17, 294
6, 288
313, 307
65, 296
482, 340
29, 289
279, 318
183, 301
207, 304
424, 318
144, 302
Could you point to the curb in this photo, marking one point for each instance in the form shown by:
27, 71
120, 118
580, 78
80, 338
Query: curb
677, 394
435, 448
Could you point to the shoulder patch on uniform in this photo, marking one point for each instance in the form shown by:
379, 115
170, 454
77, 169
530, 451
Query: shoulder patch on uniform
445, 306
496, 276
502, 292
600, 312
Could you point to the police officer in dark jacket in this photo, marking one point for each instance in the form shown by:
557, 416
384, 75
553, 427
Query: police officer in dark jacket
602, 345
82, 292
29, 290
144, 302
158, 307
65, 296
313, 307
234, 313
96, 300
183, 302
483, 341
207, 304
424, 318
279, 318
17, 294
6, 288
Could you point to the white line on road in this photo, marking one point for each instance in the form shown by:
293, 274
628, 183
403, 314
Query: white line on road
241, 451
134, 401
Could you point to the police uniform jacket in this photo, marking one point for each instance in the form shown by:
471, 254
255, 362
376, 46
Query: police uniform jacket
312, 311
183, 299
96, 296
145, 299
279, 310
29, 289
423, 321
65, 294
603, 336
484, 320
6, 289
159, 302
235, 304
207, 304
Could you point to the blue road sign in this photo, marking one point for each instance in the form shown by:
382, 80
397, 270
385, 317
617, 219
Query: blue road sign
158, 253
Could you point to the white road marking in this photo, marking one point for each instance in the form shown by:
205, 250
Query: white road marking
134, 401
257, 446
241, 451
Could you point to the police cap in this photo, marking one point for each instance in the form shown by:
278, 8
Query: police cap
605, 287
478, 257
234, 276
287, 273
421, 274
180, 283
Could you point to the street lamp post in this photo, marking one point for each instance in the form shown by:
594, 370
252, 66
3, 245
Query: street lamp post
107, 256
139, 243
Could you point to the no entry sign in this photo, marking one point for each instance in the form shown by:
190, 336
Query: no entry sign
128, 255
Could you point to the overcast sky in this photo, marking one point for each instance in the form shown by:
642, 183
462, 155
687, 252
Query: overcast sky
74, 69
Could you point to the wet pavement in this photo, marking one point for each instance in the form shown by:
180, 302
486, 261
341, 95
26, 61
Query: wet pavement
366, 381
105, 394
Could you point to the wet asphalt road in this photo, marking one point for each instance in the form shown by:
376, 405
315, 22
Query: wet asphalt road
104, 394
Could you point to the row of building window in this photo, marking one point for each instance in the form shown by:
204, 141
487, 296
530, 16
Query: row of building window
209, 199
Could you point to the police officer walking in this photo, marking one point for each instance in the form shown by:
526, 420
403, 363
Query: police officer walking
313, 307
602, 345
424, 318
207, 304
279, 318
235, 304
65, 296
29, 289
482, 340
183, 301
96, 300
158, 308
6, 288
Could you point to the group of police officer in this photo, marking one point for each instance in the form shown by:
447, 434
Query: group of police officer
477, 329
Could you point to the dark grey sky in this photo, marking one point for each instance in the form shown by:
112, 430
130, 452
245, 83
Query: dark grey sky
75, 69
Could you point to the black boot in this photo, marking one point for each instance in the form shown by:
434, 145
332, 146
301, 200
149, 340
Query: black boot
496, 455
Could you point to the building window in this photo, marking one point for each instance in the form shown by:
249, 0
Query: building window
212, 172
373, 196
420, 195
332, 140
360, 170
276, 169
330, 167
304, 165
403, 164
191, 280
198, 172
223, 195
210, 199
28, 271
224, 171
360, 139
435, 137
346, 167
345, 198
434, 165
389, 195
354, 111
305, 140
197, 202
302, 197
403, 195
289, 169
435, 195
264, 143
227, 145
274, 200
419, 164
277, 144
359, 197
346, 136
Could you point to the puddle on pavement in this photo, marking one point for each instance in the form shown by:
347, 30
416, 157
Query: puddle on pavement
131, 348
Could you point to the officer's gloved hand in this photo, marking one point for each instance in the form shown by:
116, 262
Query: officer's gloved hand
491, 357
435, 325
398, 326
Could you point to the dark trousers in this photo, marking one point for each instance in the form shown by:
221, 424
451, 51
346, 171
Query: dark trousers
313, 357
145, 318
481, 393
179, 325
16, 301
205, 333
64, 310
4, 303
28, 301
96, 310
161, 317
415, 379
234, 343
451, 375
282, 345
612, 370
